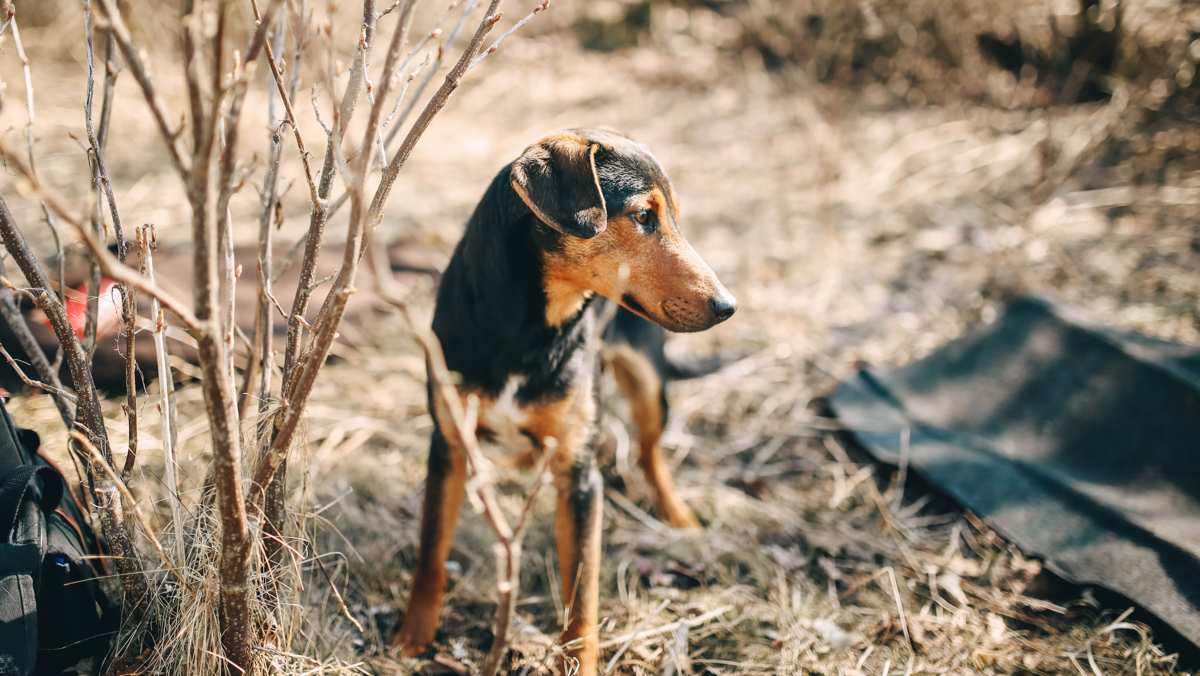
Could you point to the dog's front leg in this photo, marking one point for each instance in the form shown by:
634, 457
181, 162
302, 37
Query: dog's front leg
444, 488
577, 530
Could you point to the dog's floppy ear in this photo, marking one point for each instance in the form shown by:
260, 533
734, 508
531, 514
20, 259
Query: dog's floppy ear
556, 178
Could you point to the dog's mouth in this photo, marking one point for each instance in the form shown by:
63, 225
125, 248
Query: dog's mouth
668, 319
635, 307
630, 303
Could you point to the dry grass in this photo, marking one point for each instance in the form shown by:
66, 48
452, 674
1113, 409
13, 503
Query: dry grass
850, 232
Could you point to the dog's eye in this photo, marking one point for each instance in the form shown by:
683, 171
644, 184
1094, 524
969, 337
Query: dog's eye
644, 218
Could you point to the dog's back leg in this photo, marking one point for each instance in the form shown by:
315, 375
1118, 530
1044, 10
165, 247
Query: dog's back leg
645, 389
444, 489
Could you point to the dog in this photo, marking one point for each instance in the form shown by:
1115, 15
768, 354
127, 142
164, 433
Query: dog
581, 218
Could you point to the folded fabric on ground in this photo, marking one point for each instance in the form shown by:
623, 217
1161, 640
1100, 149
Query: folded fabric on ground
1079, 443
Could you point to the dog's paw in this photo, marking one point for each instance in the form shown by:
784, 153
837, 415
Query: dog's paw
682, 518
412, 641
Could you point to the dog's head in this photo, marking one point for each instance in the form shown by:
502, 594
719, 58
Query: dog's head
611, 226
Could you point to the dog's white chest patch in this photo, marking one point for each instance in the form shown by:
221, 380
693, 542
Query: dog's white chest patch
505, 420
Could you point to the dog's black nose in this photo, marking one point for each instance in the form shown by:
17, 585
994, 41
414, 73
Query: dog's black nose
722, 306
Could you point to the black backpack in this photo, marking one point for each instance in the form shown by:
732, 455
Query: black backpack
53, 612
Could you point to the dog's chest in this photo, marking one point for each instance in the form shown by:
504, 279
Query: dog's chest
519, 432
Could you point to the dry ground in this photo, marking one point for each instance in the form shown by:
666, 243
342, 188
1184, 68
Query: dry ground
851, 230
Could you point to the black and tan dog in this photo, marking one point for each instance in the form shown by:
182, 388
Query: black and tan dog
579, 217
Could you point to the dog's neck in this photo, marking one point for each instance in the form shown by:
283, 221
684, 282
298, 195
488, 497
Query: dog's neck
564, 300
496, 316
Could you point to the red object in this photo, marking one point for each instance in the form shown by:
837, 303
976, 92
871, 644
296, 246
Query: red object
76, 307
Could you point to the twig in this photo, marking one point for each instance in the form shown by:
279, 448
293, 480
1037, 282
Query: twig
320, 213
372, 134
30, 118
30, 382
113, 483
895, 590
508, 570
436, 103
312, 244
437, 63
394, 131
191, 34
166, 394
133, 59
458, 423
667, 628
338, 595
96, 210
96, 141
336, 204
265, 324
537, 9
33, 350
226, 181
287, 105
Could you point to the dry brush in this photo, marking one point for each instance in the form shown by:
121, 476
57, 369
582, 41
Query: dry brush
224, 576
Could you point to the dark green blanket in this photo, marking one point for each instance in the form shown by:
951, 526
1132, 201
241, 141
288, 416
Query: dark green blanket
1080, 444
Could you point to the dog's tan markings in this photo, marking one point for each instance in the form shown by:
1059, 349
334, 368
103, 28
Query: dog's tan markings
563, 300
565, 420
640, 384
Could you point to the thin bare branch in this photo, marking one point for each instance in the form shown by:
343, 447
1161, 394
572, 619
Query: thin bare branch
30, 382
166, 393
227, 180
133, 59
30, 120
319, 215
458, 422
435, 104
391, 70
12, 316
100, 180
112, 482
291, 113
312, 243
538, 9
437, 64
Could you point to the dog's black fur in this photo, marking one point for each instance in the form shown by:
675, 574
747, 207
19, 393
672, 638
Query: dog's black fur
491, 304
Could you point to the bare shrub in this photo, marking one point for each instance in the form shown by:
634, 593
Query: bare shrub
218, 596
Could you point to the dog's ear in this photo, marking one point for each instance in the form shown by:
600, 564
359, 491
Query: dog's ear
556, 178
